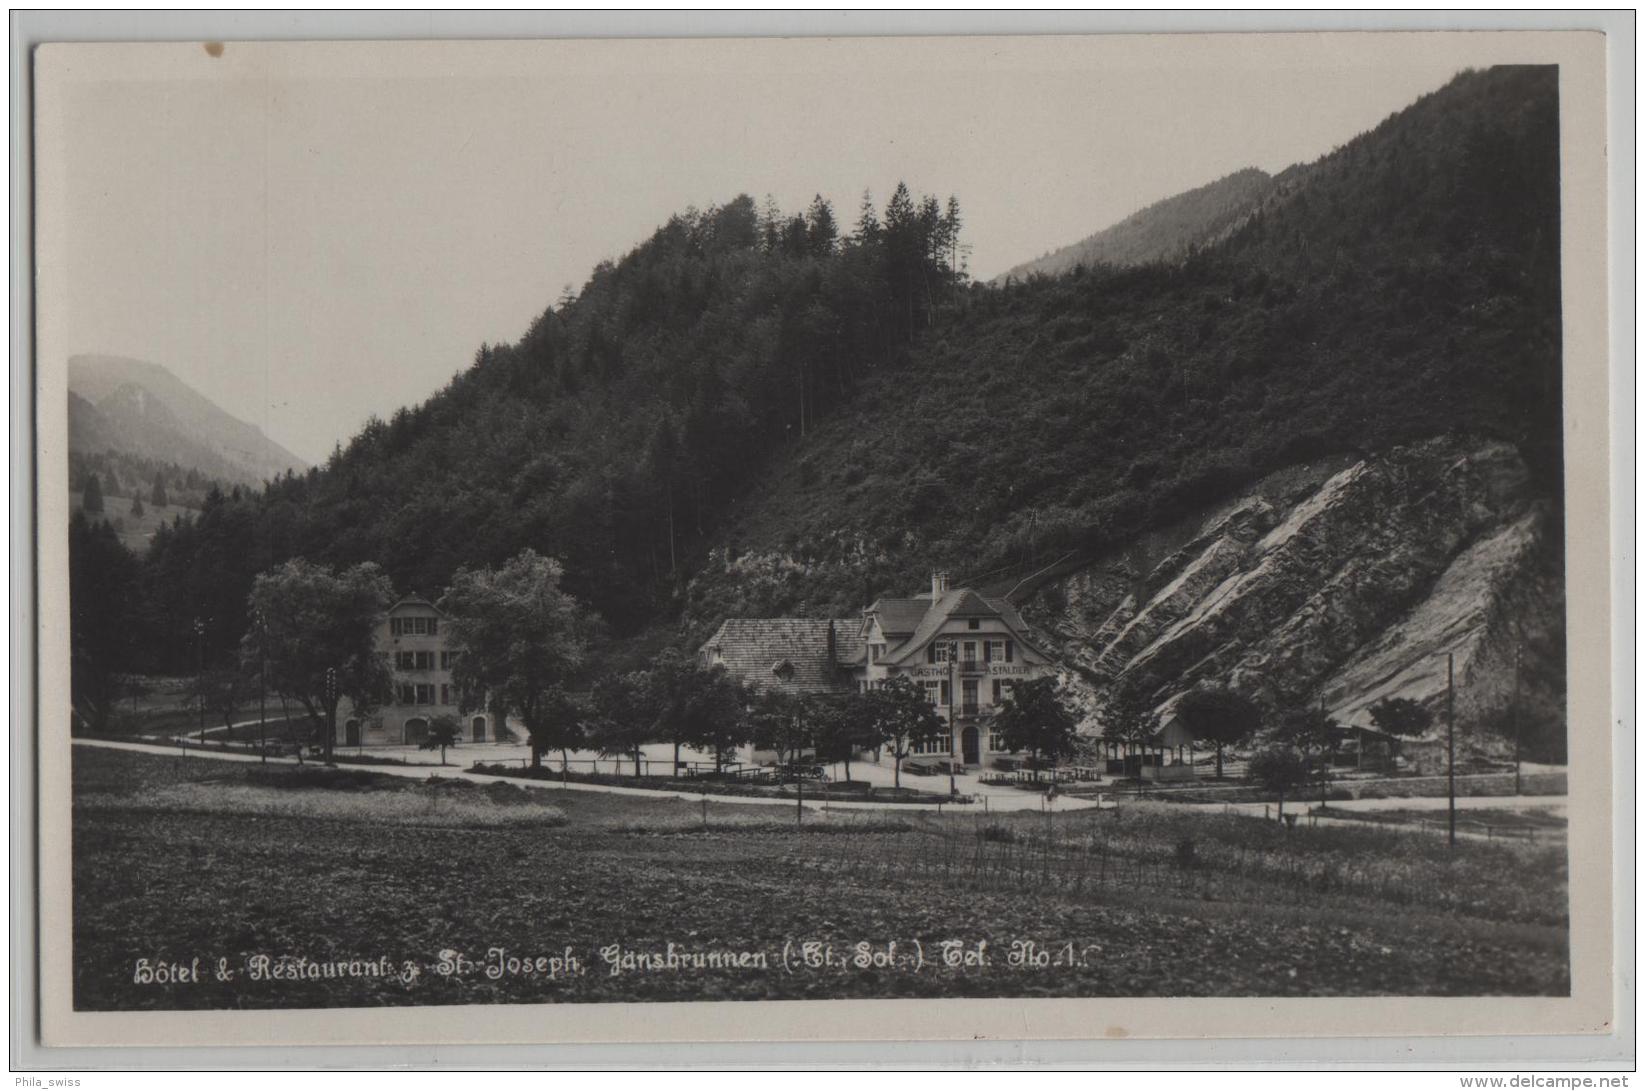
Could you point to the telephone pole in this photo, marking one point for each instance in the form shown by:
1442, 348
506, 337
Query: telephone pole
262, 689
953, 654
200, 673
331, 722
1451, 745
1513, 710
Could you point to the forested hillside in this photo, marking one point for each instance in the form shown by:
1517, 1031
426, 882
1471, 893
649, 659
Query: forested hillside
1167, 230
758, 412
1403, 287
615, 434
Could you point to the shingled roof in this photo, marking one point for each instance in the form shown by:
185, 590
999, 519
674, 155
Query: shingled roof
900, 617
786, 652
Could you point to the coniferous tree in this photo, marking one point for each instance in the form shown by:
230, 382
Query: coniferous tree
104, 603
951, 237
91, 500
158, 496
868, 221
821, 231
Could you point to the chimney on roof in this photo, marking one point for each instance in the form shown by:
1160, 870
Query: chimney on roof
939, 584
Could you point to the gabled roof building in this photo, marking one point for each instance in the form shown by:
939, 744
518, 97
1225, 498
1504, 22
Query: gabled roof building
412, 635
964, 648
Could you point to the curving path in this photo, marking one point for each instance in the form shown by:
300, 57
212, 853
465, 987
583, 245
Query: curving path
989, 798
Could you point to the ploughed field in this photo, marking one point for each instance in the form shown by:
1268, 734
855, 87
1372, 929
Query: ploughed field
208, 884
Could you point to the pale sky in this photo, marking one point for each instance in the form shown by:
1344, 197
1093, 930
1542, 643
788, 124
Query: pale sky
313, 234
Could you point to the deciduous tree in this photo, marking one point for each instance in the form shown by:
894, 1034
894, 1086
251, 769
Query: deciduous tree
1312, 734
1401, 716
1128, 719
1279, 769
1034, 717
443, 731
901, 718
1220, 717
843, 724
520, 638
715, 718
779, 723
623, 718
319, 636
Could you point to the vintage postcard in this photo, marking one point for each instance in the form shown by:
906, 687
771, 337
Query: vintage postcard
1065, 537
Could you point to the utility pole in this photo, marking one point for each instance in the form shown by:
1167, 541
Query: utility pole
1513, 710
953, 654
331, 704
1327, 749
200, 673
262, 689
1451, 745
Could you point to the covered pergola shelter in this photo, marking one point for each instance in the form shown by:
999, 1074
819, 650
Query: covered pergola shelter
1352, 744
1168, 754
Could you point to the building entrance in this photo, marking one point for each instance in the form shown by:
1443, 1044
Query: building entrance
970, 749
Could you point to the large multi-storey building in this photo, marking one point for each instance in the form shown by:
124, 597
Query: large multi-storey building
413, 636
963, 648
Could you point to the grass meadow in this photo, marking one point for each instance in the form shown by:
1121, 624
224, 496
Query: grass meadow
329, 873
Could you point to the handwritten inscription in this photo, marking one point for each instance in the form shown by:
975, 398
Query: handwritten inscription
796, 956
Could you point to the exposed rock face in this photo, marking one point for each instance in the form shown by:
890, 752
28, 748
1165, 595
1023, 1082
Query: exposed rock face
1347, 582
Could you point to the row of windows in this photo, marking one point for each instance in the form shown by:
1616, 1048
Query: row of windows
993, 651
407, 693
424, 661
414, 626
938, 693
996, 745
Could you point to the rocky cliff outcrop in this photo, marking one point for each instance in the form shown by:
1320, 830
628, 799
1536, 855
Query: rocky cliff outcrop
1342, 581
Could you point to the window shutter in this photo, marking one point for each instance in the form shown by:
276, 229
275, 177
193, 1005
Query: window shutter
931, 653
1008, 650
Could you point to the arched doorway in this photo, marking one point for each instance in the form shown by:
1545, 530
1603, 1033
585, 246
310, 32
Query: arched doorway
416, 731
351, 733
479, 729
970, 747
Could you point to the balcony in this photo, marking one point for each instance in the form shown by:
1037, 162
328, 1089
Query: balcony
973, 666
969, 708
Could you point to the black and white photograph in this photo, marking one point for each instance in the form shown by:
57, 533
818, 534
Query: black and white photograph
587, 523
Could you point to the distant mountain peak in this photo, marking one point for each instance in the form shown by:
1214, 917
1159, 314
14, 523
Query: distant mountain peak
118, 403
